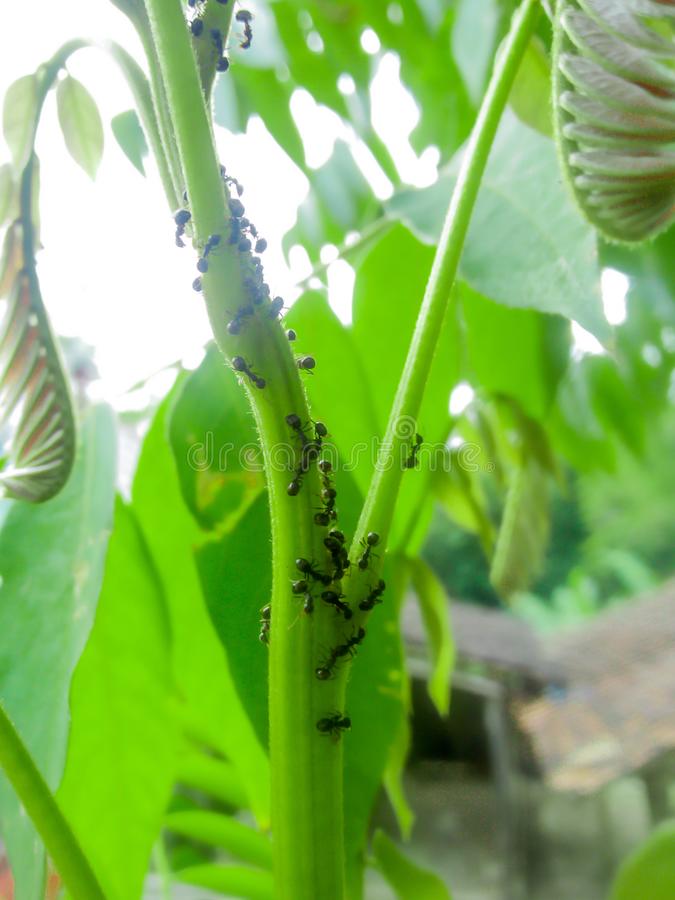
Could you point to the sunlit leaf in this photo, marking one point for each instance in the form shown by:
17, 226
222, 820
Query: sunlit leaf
18, 118
46, 612
81, 124
123, 739
129, 135
200, 667
527, 246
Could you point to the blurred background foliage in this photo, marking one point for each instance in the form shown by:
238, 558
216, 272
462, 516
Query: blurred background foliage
555, 425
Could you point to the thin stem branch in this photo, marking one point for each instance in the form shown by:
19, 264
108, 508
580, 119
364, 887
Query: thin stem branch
381, 499
40, 804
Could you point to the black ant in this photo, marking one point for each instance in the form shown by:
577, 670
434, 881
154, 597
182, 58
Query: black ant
197, 27
230, 181
338, 552
181, 217
375, 596
308, 568
291, 335
260, 245
334, 725
325, 671
306, 363
239, 364
211, 244
328, 492
334, 599
372, 540
202, 264
245, 16
293, 488
411, 461
237, 208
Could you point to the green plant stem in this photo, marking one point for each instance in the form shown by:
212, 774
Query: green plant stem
41, 806
306, 768
378, 509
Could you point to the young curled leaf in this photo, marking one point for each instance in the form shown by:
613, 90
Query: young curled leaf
614, 100
33, 386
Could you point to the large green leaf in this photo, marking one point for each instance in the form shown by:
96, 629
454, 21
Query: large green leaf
210, 424
530, 96
376, 701
201, 671
519, 352
340, 374
124, 733
650, 870
51, 566
236, 576
408, 880
81, 124
388, 294
527, 246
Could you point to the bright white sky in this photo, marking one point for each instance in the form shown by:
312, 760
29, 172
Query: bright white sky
110, 273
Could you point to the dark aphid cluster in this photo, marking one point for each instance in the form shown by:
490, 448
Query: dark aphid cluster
411, 461
181, 217
327, 668
239, 364
333, 598
334, 542
245, 17
372, 540
327, 513
333, 725
265, 617
231, 182
374, 597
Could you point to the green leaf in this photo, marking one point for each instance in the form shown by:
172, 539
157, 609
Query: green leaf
650, 870
460, 493
524, 530
388, 294
220, 830
18, 118
210, 424
123, 739
527, 246
519, 352
47, 604
474, 58
616, 406
80, 123
351, 425
530, 96
129, 135
233, 881
236, 577
376, 701
408, 880
200, 667
435, 608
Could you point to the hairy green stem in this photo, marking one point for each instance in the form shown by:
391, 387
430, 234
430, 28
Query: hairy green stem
306, 767
378, 509
41, 806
